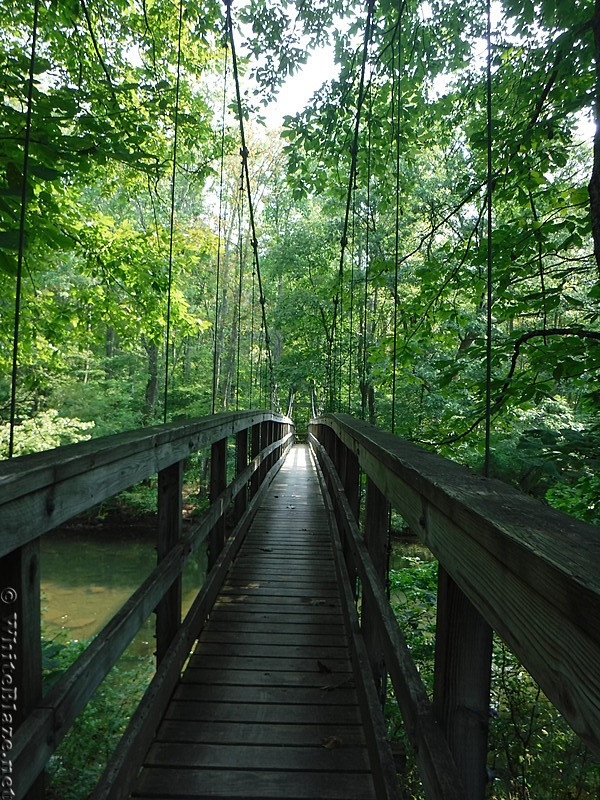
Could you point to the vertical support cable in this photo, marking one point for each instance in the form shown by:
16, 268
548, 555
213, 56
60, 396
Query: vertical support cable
351, 321
21, 251
489, 298
397, 86
368, 247
239, 299
363, 393
219, 243
250, 203
354, 156
172, 220
252, 338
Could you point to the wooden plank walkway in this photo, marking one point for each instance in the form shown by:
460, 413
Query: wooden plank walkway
267, 706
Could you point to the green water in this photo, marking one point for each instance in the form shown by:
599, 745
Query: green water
87, 574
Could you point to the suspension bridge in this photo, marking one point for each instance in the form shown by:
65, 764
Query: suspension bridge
272, 684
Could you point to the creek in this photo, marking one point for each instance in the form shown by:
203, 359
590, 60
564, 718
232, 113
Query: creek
88, 572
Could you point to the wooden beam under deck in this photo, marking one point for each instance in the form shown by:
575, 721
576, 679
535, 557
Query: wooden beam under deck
267, 706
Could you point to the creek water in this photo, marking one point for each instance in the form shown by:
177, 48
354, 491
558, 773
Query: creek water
87, 573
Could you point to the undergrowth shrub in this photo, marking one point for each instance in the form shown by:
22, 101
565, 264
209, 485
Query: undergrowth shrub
79, 761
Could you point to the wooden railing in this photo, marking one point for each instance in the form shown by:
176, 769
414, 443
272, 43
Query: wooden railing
507, 563
41, 491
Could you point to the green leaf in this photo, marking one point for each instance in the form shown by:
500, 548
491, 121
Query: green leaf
43, 172
9, 240
579, 196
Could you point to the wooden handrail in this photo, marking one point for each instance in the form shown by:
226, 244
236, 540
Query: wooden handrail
61, 483
530, 571
41, 491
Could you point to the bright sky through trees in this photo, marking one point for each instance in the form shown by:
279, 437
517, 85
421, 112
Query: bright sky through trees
299, 88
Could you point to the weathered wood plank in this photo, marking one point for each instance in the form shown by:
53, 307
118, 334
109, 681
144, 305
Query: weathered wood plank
259, 757
334, 634
249, 734
289, 616
336, 666
292, 550
159, 782
240, 676
295, 695
276, 582
269, 650
258, 713
305, 569
321, 607
222, 635
303, 594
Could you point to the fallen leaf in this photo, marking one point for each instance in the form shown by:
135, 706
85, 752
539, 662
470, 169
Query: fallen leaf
331, 742
331, 687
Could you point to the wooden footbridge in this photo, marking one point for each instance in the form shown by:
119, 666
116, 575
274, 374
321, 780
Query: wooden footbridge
271, 685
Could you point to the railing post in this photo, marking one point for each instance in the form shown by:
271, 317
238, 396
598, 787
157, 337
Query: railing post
264, 440
377, 510
254, 451
168, 611
241, 455
277, 434
218, 483
21, 673
351, 481
350, 476
461, 691
270, 440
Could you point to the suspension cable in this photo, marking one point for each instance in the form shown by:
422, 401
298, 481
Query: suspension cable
354, 155
249, 194
252, 310
489, 275
396, 101
365, 391
351, 322
240, 286
21, 251
220, 231
172, 219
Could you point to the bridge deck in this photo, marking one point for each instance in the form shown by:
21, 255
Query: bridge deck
267, 707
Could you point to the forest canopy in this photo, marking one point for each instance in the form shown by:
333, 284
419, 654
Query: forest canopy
126, 247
